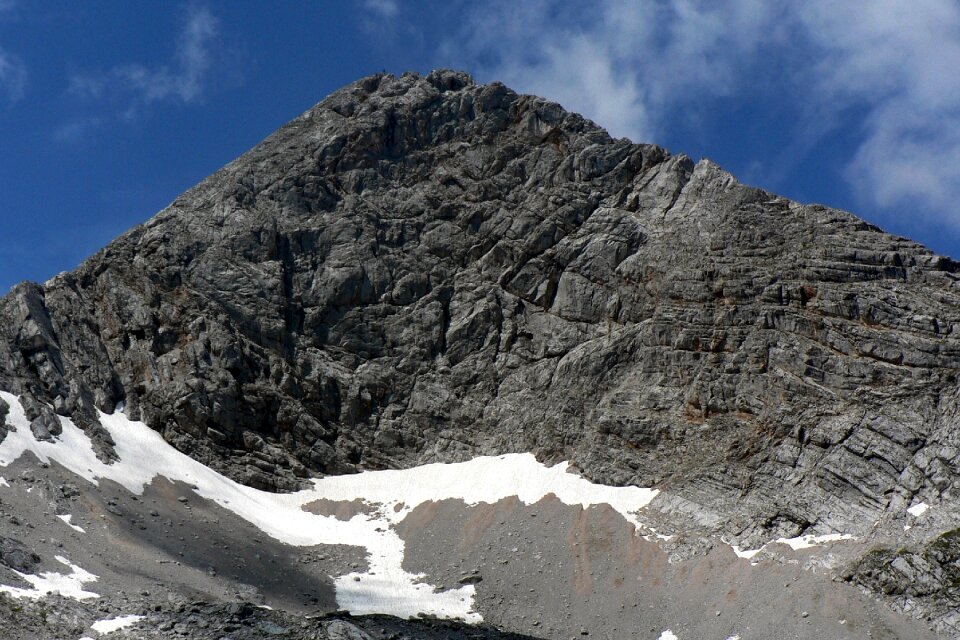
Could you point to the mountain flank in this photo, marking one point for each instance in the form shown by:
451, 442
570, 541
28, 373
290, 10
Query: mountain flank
425, 269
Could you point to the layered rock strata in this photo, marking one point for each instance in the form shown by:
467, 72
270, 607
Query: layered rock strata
427, 269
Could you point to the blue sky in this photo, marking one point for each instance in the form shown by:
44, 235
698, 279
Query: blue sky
109, 109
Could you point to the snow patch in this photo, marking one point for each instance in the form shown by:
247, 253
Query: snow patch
667, 635
67, 518
69, 585
748, 554
918, 510
798, 543
385, 587
114, 624
805, 542
3, 482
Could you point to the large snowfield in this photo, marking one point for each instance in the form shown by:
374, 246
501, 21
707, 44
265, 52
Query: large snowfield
385, 587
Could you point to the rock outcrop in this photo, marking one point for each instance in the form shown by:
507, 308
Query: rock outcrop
424, 268
16, 556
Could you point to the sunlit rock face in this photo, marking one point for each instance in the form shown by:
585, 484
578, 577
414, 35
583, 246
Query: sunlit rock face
424, 269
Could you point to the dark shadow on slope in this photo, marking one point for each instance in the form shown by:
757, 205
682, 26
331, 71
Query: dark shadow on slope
427, 629
187, 531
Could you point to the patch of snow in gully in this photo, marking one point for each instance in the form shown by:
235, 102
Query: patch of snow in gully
798, 543
805, 542
3, 482
68, 585
67, 519
385, 587
748, 554
918, 510
114, 624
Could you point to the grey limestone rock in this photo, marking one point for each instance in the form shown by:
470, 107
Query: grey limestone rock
929, 572
343, 630
427, 269
4, 410
15, 555
43, 421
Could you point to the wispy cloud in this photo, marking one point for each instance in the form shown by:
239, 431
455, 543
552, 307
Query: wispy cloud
13, 77
385, 21
622, 64
136, 86
897, 62
76, 130
638, 67
385, 9
13, 72
548, 49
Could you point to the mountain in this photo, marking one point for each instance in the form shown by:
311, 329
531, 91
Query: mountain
428, 270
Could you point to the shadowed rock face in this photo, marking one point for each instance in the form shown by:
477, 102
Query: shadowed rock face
423, 268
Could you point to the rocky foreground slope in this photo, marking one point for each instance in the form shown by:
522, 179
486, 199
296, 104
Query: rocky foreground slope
426, 269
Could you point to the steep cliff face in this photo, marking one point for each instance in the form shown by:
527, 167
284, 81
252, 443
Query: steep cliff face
423, 268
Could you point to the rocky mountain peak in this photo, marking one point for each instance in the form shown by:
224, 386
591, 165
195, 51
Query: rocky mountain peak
428, 269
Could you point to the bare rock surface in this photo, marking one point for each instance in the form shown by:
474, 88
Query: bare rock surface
558, 570
427, 269
17, 556
201, 620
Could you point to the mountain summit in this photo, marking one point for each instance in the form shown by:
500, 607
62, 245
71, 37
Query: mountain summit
424, 269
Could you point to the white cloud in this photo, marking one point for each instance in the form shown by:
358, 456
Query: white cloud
76, 130
385, 9
623, 64
538, 47
383, 20
87, 86
883, 74
182, 81
13, 76
897, 62
598, 88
